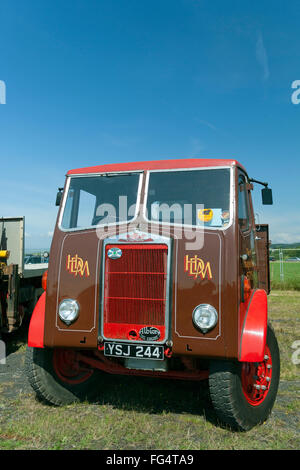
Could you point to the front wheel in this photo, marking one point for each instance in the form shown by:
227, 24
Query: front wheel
243, 394
58, 378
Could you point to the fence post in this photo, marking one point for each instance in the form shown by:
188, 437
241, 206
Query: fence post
281, 265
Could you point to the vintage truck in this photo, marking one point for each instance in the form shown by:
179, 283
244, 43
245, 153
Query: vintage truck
20, 282
158, 269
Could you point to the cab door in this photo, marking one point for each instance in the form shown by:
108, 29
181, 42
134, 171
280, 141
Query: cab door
247, 248
262, 244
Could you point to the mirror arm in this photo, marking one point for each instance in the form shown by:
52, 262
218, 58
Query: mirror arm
267, 198
259, 182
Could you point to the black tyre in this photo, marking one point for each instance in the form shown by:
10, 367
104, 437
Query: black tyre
243, 394
58, 378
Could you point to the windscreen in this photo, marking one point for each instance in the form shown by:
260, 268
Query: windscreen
100, 200
193, 197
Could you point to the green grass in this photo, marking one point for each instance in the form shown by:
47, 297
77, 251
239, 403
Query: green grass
150, 414
284, 313
291, 276
7, 443
105, 427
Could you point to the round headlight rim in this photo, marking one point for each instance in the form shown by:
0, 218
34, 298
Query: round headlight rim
213, 325
77, 310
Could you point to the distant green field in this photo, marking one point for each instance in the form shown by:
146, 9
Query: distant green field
291, 275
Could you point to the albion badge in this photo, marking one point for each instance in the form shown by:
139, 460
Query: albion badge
149, 333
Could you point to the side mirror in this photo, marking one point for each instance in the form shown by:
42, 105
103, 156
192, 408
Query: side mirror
267, 198
59, 196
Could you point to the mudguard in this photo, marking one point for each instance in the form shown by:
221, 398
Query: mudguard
37, 323
254, 330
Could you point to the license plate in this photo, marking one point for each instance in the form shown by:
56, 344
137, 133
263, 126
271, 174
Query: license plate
142, 351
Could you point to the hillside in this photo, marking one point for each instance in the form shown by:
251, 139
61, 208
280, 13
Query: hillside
285, 246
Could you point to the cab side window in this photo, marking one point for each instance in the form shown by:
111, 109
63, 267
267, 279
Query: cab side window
243, 208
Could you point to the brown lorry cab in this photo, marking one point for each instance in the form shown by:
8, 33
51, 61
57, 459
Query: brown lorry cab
158, 269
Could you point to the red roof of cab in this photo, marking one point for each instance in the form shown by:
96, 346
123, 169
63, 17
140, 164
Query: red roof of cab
156, 165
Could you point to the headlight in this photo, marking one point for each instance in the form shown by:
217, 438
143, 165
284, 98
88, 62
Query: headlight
68, 311
205, 317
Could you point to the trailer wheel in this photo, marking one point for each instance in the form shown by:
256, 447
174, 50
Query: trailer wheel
243, 394
58, 378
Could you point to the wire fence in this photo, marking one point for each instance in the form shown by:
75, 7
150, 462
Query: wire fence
36, 256
285, 268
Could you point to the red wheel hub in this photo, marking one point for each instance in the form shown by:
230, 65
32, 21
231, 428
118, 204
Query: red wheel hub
68, 368
256, 379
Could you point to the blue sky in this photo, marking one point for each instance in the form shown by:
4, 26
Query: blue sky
90, 82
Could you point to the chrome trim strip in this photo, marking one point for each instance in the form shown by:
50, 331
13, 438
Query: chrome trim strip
58, 288
121, 172
220, 297
94, 227
156, 240
231, 202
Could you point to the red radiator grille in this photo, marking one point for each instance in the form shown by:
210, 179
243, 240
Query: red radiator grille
135, 290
